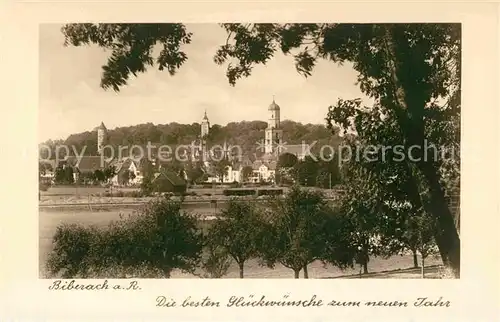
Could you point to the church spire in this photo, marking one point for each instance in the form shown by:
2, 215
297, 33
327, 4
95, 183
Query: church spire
205, 125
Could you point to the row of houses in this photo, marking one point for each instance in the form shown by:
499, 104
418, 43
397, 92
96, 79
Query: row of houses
261, 170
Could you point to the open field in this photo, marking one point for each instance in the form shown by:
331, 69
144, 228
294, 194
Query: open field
50, 219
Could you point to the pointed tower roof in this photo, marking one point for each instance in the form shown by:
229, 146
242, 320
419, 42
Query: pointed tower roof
205, 117
101, 127
273, 106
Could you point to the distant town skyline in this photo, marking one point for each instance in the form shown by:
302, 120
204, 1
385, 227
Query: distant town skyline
71, 100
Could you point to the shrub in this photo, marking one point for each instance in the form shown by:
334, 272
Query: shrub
235, 184
164, 238
132, 194
269, 192
239, 192
73, 250
43, 186
157, 240
446, 273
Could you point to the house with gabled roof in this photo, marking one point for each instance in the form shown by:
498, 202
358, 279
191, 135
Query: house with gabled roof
168, 181
86, 163
134, 168
263, 170
83, 165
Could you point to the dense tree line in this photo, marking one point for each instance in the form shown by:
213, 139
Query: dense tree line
245, 134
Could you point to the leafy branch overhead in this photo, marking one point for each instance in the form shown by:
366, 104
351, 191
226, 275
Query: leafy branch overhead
131, 47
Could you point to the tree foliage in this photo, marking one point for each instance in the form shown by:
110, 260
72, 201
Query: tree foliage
64, 175
287, 160
221, 169
316, 171
246, 172
131, 47
216, 262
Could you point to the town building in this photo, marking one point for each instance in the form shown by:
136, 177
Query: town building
127, 172
273, 133
168, 181
101, 137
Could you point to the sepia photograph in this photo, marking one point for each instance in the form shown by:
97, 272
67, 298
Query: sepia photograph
249, 150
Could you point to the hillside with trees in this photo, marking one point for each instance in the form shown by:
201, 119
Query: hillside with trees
245, 134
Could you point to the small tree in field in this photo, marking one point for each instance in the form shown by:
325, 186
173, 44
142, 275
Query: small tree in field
363, 222
217, 261
420, 231
293, 230
236, 230
162, 237
339, 249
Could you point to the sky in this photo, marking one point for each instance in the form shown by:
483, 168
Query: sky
72, 101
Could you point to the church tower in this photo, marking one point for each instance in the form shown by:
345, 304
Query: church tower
101, 137
205, 128
274, 134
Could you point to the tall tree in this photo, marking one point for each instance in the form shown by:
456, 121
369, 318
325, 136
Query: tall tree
306, 171
124, 177
405, 68
287, 160
195, 173
221, 169
364, 211
246, 172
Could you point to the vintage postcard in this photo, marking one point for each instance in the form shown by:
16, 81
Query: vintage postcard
300, 161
